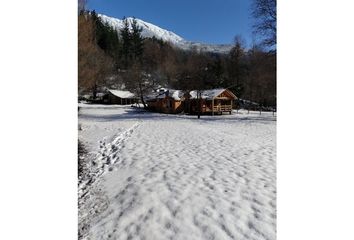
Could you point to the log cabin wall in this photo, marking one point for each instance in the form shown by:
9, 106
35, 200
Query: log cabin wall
165, 105
217, 104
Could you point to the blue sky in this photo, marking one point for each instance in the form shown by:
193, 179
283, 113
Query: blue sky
208, 21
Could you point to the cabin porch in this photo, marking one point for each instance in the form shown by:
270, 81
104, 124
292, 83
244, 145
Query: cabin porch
214, 106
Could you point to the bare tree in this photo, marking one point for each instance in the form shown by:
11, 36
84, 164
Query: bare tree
81, 5
94, 66
265, 14
261, 85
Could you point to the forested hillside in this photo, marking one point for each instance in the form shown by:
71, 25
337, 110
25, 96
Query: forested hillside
124, 59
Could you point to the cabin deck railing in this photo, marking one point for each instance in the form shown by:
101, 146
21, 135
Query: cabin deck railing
223, 108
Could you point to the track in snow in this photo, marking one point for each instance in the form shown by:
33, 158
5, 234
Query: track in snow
91, 201
188, 179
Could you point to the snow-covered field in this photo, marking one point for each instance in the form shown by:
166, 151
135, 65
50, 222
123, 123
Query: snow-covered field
159, 176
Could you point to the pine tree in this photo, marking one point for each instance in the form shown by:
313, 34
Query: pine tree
237, 67
126, 43
137, 41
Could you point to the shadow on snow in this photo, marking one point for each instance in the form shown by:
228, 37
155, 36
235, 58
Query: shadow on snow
141, 114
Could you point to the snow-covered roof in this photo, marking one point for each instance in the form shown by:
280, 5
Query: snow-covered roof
175, 94
149, 97
163, 92
178, 94
100, 94
121, 93
208, 94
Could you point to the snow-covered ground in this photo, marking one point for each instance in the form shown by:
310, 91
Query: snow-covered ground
159, 176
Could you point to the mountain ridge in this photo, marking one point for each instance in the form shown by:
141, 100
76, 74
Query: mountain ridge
151, 30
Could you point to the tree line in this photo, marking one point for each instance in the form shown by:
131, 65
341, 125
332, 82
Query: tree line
110, 58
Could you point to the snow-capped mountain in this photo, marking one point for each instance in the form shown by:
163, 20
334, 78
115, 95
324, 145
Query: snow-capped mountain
150, 30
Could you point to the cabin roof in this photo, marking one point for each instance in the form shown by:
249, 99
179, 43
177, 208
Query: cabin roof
210, 94
172, 93
179, 94
121, 93
175, 94
100, 94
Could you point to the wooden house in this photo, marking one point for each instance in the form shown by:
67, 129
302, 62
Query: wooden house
209, 101
89, 98
119, 97
166, 101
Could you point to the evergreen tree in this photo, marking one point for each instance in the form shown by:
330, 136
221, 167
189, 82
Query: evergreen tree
106, 36
132, 52
237, 67
137, 41
126, 43
215, 71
